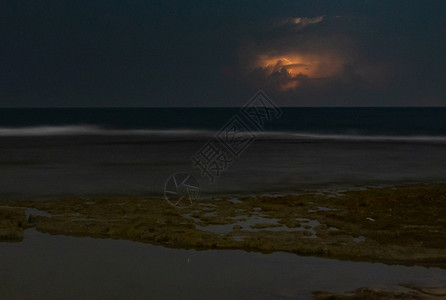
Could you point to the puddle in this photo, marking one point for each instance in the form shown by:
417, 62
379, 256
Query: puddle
359, 239
258, 223
115, 269
321, 208
235, 200
31, 211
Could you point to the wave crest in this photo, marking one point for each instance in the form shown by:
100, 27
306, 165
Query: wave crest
200, 134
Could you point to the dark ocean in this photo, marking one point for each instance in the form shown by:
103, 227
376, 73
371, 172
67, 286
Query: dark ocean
86, 151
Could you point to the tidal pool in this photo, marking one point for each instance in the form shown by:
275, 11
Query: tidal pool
56, 266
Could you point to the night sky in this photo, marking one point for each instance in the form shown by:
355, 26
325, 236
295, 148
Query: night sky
58, 53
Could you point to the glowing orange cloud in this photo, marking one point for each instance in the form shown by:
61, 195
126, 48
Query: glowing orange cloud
288, 85
292, 65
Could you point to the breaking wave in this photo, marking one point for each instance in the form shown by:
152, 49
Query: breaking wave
201, 134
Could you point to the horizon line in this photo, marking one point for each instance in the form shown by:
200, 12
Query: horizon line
194, 107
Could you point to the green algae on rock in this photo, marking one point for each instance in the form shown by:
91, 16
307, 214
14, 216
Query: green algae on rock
12, 222
408, 291
404, 225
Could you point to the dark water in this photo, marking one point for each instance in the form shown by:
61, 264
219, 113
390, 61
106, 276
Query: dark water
360, 121
134, 150
59, 267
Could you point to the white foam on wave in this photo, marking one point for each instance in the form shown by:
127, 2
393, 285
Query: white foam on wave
48, 130
376, 138
197, 133
95, 130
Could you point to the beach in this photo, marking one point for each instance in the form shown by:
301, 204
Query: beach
311, 209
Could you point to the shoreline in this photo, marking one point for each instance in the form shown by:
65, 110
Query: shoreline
394, 225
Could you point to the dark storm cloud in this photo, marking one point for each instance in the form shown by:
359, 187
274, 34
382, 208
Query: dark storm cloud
194, 53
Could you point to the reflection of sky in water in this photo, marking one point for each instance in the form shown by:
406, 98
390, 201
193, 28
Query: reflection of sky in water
30, 211
85, 165
45, 266
256, 223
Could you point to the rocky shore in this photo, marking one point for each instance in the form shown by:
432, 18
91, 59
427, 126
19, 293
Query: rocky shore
407, 291
399, 225
12, 223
